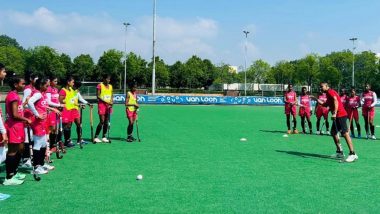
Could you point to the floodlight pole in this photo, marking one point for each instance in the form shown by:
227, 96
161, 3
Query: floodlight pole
245, 62
353, 60
126, 24
154, 49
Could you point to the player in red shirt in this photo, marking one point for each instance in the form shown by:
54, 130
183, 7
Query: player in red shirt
305, 110
320, 111
369, 100
353, 103
290, 100
339, 122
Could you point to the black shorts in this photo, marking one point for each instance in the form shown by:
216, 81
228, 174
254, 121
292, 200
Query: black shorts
339, 125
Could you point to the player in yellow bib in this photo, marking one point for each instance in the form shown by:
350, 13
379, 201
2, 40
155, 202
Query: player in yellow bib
105, 102
69, 113
131, 111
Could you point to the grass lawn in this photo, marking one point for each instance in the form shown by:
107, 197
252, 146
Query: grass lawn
193, 161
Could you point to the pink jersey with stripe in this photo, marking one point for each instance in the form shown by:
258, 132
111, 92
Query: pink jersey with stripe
322, 97
54, 94
39, 126
290, 96
353, 102
305, 101
41, 104
368, 99
15, 128
32, 88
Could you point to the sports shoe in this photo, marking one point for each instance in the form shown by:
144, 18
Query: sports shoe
84, 142
289, 132
12, 182
40, 170
328, 132
19, 176
322, 132
318, 132
48, 167
27, 164
367, 136
351, 158
97, 140
129, 140
373, 137
295, 131
105, 140
337, 155
359, 136
70, 145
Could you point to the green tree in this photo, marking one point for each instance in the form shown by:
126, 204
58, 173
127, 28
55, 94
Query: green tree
307, 70
6, 41
282, 73
137, 71
67, 63
45, 62
162, 72
256, 73
343, 62
366, 69
329, 73
13, 59
194, 72
176, 74
83, 66
111, 63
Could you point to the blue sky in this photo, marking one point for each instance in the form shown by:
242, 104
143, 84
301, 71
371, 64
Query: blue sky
280, 30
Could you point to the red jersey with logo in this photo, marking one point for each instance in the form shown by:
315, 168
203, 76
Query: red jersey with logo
353, 102
330, 94
305, 101
290, 96
368, 99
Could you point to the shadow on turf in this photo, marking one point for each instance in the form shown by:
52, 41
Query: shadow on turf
273, 131
306, 155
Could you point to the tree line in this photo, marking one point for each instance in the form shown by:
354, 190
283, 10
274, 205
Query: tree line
334, 68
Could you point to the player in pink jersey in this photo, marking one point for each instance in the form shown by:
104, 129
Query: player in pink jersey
290, 100
80, 102
28, 90
3, 131
104, 108
52, 96
369, 99
353, 103
305, 110
15, 130
320, 111
66, 97
38, 105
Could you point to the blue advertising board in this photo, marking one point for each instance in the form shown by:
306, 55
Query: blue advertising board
202, 100
206, 100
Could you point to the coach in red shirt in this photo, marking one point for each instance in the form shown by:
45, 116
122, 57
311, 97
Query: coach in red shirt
339, 122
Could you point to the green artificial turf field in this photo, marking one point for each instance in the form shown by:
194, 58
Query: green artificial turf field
193, 161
